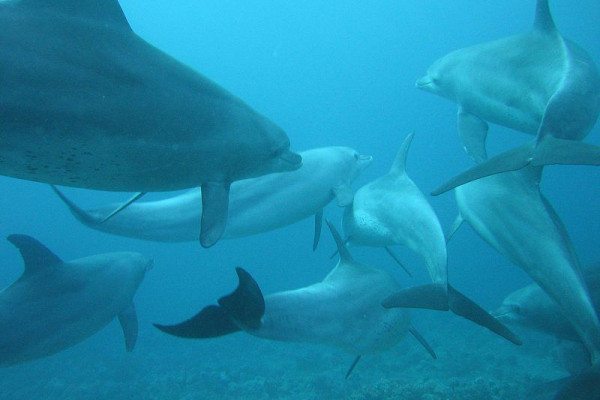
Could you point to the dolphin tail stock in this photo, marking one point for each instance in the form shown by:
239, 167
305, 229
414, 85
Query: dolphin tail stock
443, 298
241, 309
79, 213
546, 150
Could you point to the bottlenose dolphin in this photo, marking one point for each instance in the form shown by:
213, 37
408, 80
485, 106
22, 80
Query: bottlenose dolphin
392, 210
86, 102
256, 205
510, 213
532, 308
344, 310
55, 305
537, 82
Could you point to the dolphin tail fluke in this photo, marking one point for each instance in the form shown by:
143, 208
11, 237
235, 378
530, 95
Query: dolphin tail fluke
431, 297
129, 324
212, 321
463, 306
246, 305
417, 335
215, 206
443, 298
242, 309
83, 216
548, 150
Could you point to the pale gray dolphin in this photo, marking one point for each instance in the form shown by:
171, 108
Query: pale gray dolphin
537, 82
511, 214
85, 102
532, 308
391, 210
55, 305
343, 310
256, 205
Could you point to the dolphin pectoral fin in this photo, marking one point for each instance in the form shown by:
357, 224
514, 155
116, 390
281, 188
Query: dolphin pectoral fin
473, 132
431, 297
215, 206
551, 150
417, 335
397, 259
129, 324
212, 321
123, 206
463, 306
35, 255
318, 228
343, 194
246, 305
356, 360
83, 216
510, 160
458, 221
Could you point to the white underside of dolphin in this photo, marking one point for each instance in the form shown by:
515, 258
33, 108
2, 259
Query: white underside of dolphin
256, 205
55, 305
511, 214
537, 82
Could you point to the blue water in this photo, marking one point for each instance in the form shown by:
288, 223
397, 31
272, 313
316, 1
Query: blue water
329, 73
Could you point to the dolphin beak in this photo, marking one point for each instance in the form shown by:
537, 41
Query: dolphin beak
424, 82
290, 160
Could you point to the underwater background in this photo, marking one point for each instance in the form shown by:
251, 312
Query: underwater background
329, 73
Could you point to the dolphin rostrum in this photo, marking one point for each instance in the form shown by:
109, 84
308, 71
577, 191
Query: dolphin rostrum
537, 82
256, 205
55, 305
344, 310
85, 102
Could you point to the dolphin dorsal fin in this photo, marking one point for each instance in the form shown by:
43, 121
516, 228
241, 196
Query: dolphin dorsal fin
341, 246
105, 11
543, 18
35, 255
399, 165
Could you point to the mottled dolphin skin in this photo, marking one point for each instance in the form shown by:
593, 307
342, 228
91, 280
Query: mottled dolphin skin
532, 308
86, 102
344, 310
391, 210
55, 305
256, 205
537, 82
510, 213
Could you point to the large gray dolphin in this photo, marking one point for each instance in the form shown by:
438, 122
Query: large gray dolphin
532, 308
256, 205
511, 214
391, 210
55, 305
85, 102
537, 82
343, 310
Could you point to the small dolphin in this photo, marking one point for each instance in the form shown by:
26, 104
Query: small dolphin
344, 310
391, 210
85, 102
55, 305
510, 213
537, 82
532, 308
256, 205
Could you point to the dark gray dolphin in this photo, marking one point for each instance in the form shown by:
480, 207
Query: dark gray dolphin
55, 305
537, 82
85, 102
343, 310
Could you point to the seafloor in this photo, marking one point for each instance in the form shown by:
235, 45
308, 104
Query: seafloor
472, 364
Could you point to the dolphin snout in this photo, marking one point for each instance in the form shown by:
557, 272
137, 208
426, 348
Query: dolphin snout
424, 82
